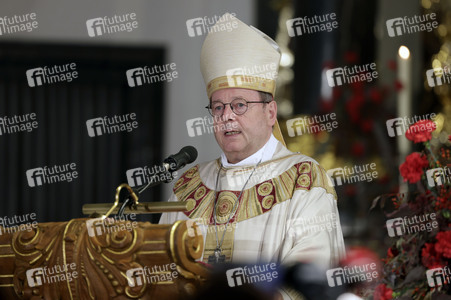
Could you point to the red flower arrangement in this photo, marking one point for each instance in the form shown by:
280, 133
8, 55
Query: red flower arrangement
404, 275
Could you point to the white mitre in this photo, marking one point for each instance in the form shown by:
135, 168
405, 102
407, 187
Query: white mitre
240, 57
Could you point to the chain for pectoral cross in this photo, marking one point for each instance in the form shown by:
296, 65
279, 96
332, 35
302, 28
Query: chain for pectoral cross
216, 257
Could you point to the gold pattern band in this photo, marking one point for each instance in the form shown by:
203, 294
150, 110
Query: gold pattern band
241, 81
254, 201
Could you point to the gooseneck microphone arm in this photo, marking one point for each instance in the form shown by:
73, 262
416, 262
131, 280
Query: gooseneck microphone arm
171, 164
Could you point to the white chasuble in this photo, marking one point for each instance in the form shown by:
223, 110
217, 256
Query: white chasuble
287, 211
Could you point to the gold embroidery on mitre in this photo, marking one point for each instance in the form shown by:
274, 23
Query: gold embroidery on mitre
241, 81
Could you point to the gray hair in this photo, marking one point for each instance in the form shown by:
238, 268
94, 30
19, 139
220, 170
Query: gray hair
265, 97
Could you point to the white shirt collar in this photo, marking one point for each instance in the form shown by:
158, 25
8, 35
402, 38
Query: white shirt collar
265, 153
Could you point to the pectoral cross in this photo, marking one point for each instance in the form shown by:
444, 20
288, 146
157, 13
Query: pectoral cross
216, 257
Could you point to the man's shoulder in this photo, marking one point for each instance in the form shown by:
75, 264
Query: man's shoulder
191, 178
285, 156
306, 172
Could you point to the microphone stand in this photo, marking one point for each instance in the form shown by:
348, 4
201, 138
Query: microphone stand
128, 201
173, 163
131, 204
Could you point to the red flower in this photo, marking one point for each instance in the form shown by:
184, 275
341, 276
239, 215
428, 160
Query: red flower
443, 245
449, 138
412, 169
382, 292
390, 253
421, 131
430, 258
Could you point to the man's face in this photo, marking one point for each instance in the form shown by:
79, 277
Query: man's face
240, 136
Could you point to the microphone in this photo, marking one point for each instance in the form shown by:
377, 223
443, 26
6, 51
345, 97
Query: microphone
172, 163
175, 162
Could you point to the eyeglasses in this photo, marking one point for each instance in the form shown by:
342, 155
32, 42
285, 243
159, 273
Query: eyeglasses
238, 106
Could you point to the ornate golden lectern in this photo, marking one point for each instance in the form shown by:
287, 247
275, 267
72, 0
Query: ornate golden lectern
101, 265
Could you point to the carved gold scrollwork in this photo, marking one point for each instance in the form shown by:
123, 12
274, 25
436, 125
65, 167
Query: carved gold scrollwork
102, 261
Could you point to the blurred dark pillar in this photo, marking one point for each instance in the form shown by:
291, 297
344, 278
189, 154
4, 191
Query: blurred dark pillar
267, 16
311, 52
